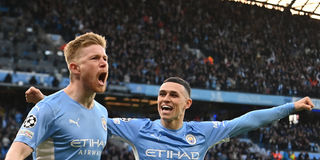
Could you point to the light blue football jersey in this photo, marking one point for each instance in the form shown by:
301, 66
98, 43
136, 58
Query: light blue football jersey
60, 128
151, 141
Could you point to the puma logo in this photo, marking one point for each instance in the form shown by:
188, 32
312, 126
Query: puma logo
74, 122
157, 137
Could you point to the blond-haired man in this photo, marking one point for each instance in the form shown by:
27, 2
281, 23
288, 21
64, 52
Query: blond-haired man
70, 124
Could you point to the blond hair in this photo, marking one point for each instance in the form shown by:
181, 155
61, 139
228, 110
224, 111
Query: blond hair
85, 40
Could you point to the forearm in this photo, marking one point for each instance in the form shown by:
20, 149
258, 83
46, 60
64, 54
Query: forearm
18, 151
14, 156
258, 118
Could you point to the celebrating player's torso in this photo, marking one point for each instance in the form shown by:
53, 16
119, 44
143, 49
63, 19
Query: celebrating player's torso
190, 142
60, 128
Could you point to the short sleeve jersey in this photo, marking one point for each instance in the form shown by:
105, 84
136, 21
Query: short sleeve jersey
150, 140
60, 128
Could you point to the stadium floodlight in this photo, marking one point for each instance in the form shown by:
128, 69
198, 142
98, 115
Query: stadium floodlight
300, 7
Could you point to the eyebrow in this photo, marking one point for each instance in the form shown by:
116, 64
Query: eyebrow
168, 91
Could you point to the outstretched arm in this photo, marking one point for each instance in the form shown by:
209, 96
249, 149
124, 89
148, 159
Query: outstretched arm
259, 118
33, 95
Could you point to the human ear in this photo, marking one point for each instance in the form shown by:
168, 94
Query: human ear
189, 102
74, 68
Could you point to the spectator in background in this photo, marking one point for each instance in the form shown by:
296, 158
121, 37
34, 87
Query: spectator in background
18, 117
8, 78
55, 82
33, 81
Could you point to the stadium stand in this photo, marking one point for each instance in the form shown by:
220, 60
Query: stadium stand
221, 45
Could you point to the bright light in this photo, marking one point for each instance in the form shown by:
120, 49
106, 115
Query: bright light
298, 7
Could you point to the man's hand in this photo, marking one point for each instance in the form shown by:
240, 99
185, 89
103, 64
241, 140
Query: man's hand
33, 95
303, 104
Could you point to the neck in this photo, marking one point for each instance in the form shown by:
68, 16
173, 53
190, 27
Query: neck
79, 94
172, 124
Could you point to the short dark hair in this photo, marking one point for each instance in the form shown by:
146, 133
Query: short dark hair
179, 80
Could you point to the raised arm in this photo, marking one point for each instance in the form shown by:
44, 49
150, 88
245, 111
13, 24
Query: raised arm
33, 95
18, 151
259, 118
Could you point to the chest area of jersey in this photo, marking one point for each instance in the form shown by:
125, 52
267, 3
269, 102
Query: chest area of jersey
82, 130
167, 146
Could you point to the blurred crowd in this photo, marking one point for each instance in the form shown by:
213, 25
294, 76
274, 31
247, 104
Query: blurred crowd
290, 137
213, 44
216, 44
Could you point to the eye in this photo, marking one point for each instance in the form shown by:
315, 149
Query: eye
174, 95
162, 94
94, 57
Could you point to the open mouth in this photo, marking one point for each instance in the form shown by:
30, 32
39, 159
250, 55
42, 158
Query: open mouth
166, 108
102, 77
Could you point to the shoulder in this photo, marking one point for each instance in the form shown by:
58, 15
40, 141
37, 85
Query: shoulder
100, 107
52, 103
204, 124
53, 98
129, 120
135, 124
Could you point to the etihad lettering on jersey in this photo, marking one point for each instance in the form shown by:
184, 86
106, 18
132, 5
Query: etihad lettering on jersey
87, 143
158, 153
89, 152
90, 147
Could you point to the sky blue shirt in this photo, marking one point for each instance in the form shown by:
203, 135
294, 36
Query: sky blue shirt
60, 128
150, 140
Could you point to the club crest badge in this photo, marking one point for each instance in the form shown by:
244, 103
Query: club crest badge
191, 139
104, 123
